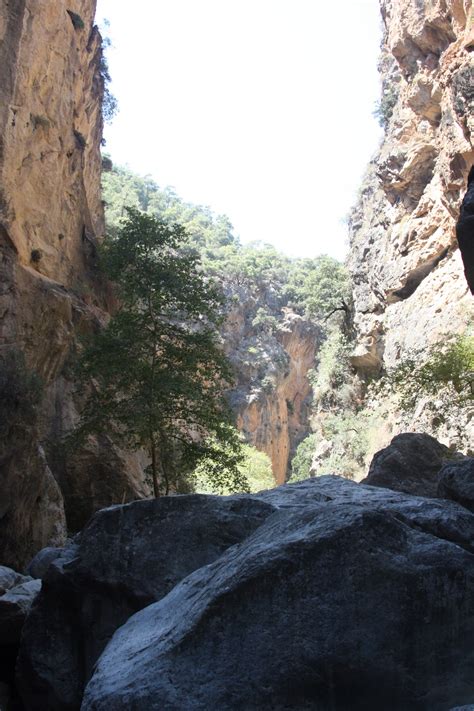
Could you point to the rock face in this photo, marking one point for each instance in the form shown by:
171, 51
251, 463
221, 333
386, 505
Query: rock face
126, 558
348, 596
50, 219
456, 482
411, 463
17, 593
409, 286
465, 231
272, 394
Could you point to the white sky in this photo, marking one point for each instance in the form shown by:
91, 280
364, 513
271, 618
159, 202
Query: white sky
261, 109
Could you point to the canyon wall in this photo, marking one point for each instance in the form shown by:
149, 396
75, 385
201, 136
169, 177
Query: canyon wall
272, 394
51, 217
408, 283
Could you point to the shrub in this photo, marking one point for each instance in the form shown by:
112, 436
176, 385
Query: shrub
333, 370
301, 462
448, 366
255, 470
384, 108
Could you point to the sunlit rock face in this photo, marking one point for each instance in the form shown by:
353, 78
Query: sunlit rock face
272, 393
50, 219
409, 286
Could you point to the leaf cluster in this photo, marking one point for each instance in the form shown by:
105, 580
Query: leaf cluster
157, 370
445, 366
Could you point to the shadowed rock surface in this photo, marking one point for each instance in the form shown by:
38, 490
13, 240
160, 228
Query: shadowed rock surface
360, 599
411, 463
17, 593
465, 231
126, 558
456, 482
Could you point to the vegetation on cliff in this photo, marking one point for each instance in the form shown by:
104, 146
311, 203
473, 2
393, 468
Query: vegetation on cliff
310, 286
157, 368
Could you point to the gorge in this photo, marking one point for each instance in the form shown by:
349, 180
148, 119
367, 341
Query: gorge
325, 593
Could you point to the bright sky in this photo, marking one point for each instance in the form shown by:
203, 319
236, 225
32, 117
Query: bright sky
261, 109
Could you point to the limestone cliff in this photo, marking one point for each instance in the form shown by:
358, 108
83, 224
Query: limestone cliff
408, 283
50, 218
272, 394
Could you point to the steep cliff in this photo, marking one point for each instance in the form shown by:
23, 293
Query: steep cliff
272, 393
51, 215
267, 334
408, 283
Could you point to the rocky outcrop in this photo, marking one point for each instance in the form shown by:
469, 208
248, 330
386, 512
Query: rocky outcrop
411, 463
456, 482
465, 231
348, 596
51, 217
126, 558
17, 593
408, 282
272, 395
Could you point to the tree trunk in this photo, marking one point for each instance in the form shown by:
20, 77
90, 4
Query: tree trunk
154, 471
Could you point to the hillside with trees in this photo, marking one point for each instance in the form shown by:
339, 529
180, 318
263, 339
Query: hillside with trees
278, 312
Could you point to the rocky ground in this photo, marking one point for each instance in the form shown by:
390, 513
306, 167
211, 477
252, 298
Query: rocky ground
324, 594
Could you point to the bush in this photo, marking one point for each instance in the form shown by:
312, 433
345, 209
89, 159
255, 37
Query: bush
301, 462
384, 108
448, 367
255, 469
333, 370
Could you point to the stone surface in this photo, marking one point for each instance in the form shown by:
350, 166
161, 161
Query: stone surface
51, 218
14, 607
362, 598
38, 567
10, 578
17, 593
456, 482
272, 394
408, 284
411, 463
465, 231
126, 558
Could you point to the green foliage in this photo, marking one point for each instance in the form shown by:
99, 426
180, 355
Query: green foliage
330, 378
301, 462
321, 285
264, 320
255, 469
20, 395
109, 102
157, 368
311, 286
384, 108
448, 366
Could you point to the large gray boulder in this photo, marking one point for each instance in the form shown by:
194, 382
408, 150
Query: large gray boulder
15, 605
410, 463
456, 482
126, 558
360, 599
17, 593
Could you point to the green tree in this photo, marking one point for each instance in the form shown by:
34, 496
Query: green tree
255, 467
301, 462
157, 369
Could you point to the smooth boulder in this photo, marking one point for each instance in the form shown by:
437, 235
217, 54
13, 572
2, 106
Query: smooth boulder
126, 558
361, 599
411, 464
